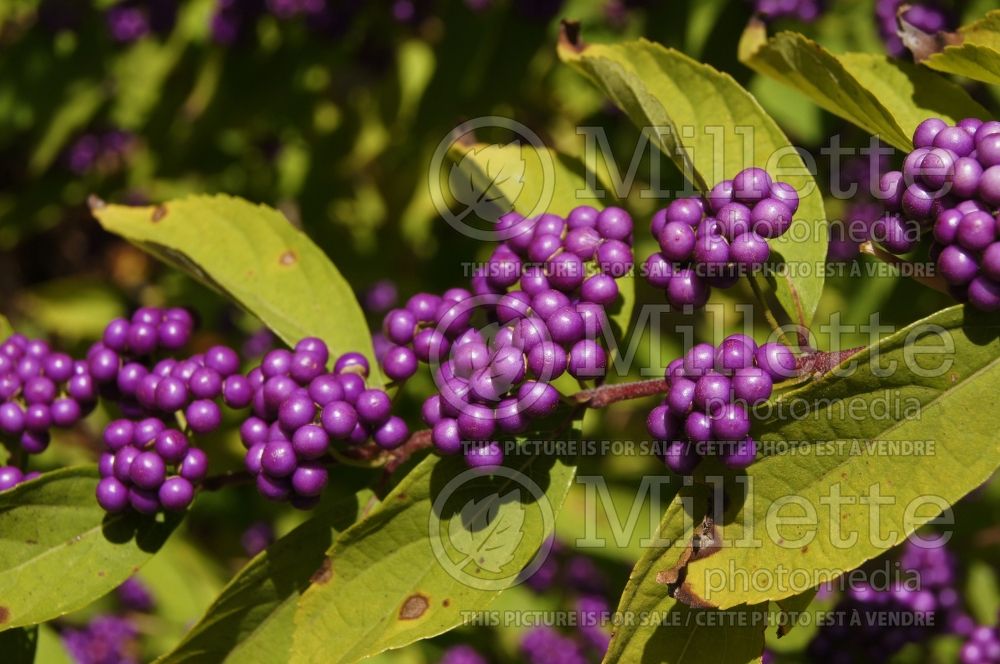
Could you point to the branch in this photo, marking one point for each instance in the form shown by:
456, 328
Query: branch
370, 455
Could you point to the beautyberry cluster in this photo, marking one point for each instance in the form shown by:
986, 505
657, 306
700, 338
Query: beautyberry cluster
929, 594
40, 389
299, 407
710, 393
806, 11
535, 311
585, 588
950, 181
106, 639
711, 242
149, 462
105, 151
982, 646
147, 466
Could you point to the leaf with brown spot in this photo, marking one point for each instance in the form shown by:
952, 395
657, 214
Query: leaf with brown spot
229, 244
159, 212
414, 607
387, 559
250, 622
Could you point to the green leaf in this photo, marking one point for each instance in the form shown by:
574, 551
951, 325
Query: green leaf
60, 550
396, 576
251, 620
74, 308
178, 606
81, 102
6, 329
898, 426
982, 592
975, 53
18, 645
50, 648
882, 96
712, 128
253, 255
655, 627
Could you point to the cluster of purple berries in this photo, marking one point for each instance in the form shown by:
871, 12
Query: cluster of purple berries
542, 311
982, 646
11, 476
712, 242
105, 151
40, 389
106, 639
950, 181
147, 466
927, 16
581, 585
711, 391
130, 20
867, 637
535, 286
587, 589
806, 11
147, 463
299, 408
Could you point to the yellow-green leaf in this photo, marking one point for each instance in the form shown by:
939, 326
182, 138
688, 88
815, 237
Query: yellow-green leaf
976, 53
712, 128
252, 254
885, 97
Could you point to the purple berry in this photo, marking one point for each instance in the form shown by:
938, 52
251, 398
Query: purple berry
309, 479
391, 434
485, 455
112, 495
339, 419
777, 360
195, 465
203, 416
176, 494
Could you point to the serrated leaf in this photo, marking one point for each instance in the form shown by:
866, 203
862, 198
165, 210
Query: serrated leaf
948, 411
253, 255
712, 128
656, 627
976, 54
486, 537
885, 97
252, 618
59, 550
385, 586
